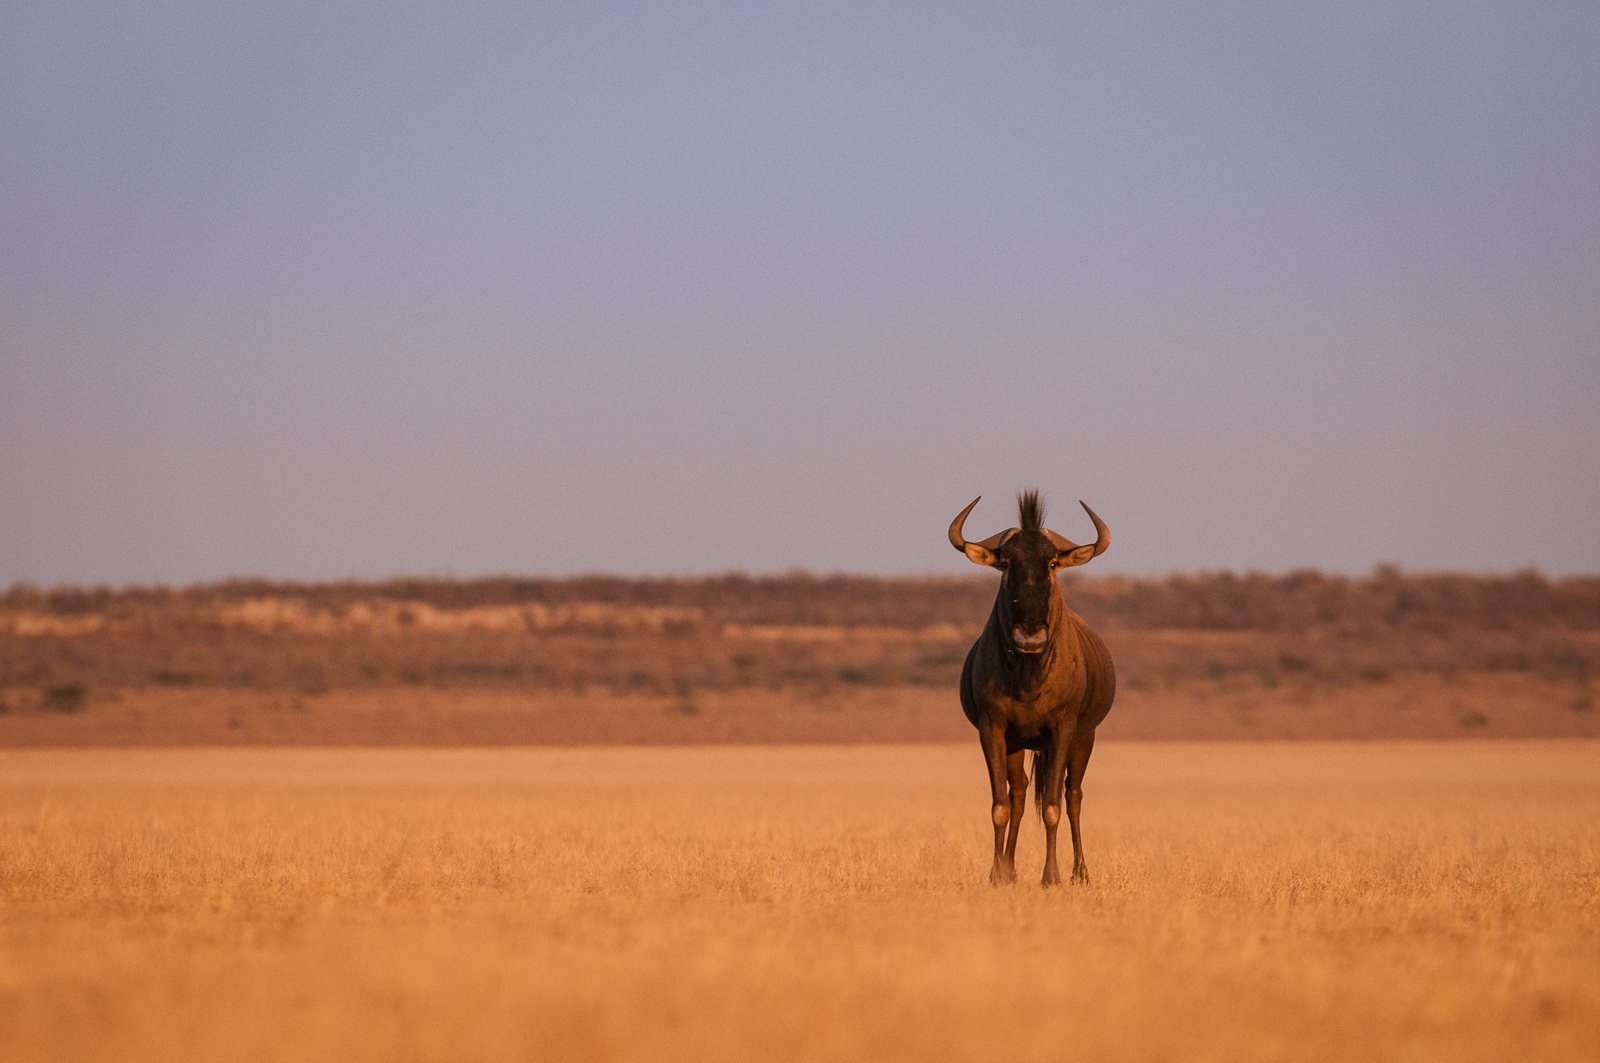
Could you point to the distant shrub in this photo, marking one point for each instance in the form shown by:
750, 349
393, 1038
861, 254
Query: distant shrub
67, 697
1298, 628
169, 678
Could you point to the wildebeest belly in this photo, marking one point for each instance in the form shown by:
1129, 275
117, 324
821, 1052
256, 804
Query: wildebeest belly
1031, 738
1029, 733
1030, 721
1029, 725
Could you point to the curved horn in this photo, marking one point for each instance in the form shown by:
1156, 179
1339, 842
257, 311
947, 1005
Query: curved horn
1101, 541
1102, 534
955, 526
981, 553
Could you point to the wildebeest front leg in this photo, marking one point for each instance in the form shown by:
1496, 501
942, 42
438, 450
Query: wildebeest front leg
1077, 764
994, 753
1017, 775
1055, 766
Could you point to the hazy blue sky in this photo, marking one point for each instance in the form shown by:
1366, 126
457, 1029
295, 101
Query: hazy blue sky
314, 290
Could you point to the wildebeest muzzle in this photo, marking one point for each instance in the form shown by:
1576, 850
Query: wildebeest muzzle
1030, 641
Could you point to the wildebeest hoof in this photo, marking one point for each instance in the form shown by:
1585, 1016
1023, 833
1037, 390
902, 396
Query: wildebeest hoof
1080, 875
1052, 876
1004, 873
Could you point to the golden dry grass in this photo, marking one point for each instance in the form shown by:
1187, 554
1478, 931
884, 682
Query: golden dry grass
1254, 901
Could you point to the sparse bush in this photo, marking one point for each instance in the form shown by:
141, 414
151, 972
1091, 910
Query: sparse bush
1303, 627
67, 697
170, 678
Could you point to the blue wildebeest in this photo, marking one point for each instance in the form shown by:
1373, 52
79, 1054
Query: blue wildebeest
1037, 678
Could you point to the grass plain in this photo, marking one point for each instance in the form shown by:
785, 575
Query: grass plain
1300, 901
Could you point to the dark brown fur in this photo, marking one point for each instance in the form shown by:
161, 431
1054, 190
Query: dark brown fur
1037, 679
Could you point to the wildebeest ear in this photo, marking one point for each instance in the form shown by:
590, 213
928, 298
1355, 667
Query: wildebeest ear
1074, 557
1070, 554
983, 552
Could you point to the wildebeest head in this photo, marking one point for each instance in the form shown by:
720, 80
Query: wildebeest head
1028, 558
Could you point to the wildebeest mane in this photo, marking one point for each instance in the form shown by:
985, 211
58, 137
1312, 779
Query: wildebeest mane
1030, 510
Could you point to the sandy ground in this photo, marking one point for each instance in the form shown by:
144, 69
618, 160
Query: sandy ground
1499, 705
1250, 901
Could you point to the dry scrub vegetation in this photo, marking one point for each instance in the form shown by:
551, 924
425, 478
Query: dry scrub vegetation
792, 658
1260, 901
